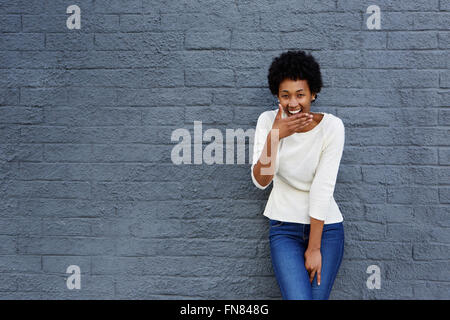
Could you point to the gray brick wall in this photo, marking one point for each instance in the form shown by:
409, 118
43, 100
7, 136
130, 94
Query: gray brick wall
86, 118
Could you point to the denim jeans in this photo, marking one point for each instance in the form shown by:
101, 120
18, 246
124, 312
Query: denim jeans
288, 243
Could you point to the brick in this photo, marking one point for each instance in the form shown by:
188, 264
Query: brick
444, 156
383, 78
365, 231
140, 22
21, 115
86, 6
433, 214
66, 227
61, 208
427, 251
84, 246
143, 153
444, 79
20, 263
250, 78
21, 226
444, 40
209, 78
9, 96
22, 6
390, 155
43, 96
136, 190
389, 213
391, 5
139, 41
25, 41
431, 290
10, 23
117, 6
444, 175
412, 195
297, 6
405, 59
21, 152
405, 232
434, 271
313, 20
255, 40
7, 245
48, 189
401, 175
444, 195
199, 21
207, 40
209, 115
66, 41
412, 40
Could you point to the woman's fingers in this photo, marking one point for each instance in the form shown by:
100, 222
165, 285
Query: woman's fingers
300, 122
278, 116
311, 275
298, 116
299, 119
318, 277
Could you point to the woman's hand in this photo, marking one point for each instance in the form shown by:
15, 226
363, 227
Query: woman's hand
291, 124
313, 263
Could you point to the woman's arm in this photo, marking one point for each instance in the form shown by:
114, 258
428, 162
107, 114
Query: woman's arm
313, 257
264, 169
324, 181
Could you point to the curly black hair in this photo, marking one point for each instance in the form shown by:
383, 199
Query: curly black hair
295, 65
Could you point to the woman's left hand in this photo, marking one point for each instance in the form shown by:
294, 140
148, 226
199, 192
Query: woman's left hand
313, 263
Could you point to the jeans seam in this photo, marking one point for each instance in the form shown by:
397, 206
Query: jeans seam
278, 225
336, 270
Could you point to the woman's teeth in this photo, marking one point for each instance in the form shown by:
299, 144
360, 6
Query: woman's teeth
294, 111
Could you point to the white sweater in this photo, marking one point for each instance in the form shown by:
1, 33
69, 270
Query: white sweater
306, 169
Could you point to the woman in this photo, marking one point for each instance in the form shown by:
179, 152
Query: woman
300, 151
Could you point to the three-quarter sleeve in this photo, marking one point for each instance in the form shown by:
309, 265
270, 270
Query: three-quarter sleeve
263, 127
324, 181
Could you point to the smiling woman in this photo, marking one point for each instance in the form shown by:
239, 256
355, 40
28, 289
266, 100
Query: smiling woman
295, 79
300, 151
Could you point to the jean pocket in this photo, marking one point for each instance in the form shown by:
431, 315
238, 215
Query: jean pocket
276, 223
333, 231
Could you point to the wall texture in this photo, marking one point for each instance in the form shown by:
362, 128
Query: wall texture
86, 118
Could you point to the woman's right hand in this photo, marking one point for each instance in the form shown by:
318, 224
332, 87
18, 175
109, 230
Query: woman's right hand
291, 124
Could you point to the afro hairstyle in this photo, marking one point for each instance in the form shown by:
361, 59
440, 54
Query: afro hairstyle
294, 65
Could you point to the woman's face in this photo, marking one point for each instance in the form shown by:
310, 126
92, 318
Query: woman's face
295, 96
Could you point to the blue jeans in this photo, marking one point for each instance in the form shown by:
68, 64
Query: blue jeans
288, 243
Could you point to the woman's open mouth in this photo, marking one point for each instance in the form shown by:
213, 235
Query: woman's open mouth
294, 111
